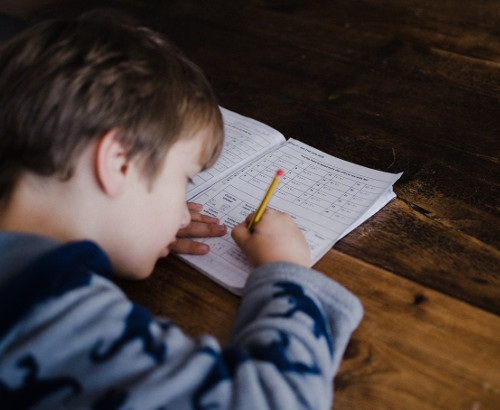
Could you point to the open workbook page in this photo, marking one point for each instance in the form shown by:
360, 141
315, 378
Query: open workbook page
245, 140
327, 197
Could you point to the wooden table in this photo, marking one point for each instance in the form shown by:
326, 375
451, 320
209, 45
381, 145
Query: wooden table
397, 85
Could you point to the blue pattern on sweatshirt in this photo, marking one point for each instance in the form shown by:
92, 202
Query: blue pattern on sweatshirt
224, 368
60, 271
33, 388
303, 303
137, 326
111, 400
64, 295
226, 365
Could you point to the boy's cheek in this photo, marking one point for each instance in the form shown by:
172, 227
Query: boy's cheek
186, 216
136, 263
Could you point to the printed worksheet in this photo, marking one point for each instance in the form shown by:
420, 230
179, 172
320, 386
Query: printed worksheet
245, 140
327, 197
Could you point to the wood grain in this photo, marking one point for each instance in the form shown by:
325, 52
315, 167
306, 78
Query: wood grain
416, 348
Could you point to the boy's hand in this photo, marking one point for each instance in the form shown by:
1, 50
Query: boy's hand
200, 226
275, 238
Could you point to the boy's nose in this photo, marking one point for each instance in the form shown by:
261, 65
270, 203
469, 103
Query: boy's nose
186, 218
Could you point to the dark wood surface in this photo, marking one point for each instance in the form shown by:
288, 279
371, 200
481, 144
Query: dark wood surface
397, 85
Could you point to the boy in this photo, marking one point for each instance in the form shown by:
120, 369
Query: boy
101, 126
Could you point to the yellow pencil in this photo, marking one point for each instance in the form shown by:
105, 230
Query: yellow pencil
265, 201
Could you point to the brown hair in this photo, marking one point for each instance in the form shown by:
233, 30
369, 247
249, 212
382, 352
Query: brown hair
64, 83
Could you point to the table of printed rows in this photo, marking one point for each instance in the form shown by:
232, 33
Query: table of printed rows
337, 194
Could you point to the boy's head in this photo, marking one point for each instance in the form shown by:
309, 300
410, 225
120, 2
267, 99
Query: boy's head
122, 101
64, 84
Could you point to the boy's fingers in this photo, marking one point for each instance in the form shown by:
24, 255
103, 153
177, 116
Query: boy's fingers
201, 229
197, 217
189, 246
193, 206
240, 232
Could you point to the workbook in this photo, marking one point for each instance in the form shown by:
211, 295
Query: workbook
326, 196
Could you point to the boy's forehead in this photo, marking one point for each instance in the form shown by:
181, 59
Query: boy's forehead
205, 141
194, 147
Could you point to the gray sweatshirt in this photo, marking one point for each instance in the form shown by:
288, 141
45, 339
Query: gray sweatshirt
70, 338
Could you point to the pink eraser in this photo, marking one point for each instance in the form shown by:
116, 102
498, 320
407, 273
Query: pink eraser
280, 173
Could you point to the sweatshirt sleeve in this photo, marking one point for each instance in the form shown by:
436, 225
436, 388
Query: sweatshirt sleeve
88, 346
295, 323
289, 336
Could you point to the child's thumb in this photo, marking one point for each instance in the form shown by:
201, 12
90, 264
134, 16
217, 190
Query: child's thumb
240, 233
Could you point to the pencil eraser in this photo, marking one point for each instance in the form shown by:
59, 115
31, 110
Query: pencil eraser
280, 173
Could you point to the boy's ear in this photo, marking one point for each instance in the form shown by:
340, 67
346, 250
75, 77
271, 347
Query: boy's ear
112, 164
